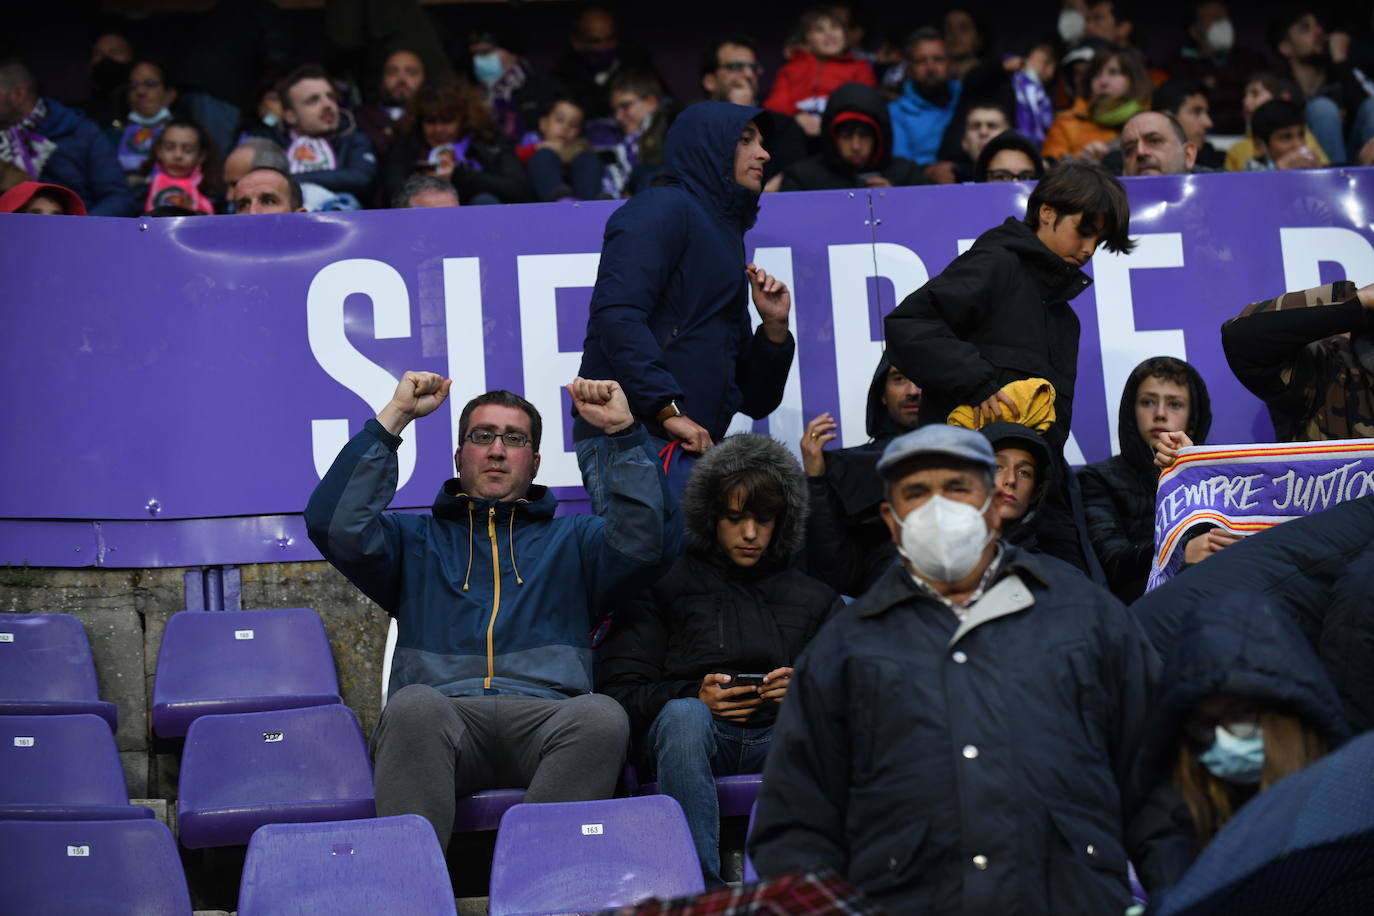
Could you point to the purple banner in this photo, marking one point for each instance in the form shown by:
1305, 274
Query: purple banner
201, 369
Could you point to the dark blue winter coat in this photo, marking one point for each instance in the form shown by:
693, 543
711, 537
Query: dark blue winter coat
356, 168
670, 312
85, 161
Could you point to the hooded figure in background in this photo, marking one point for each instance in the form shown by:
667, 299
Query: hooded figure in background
669, 316
1243, 702
856, 147
733, 605
1161, 394
1019, 450
848, 547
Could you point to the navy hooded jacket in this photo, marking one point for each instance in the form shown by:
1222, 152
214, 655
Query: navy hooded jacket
670, 313
85, 161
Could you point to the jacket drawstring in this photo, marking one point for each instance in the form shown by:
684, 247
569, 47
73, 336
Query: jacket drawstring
468, 575
510, 536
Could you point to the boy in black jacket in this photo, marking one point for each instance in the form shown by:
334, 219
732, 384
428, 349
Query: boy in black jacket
733, 606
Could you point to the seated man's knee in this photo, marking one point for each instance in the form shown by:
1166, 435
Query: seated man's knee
683, 720
415, 705
602, 719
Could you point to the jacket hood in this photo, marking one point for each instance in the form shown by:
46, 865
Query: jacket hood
1060, 279
1134, 449
1014, 435
878, 423
865, 105
700, 156
746, 451
1245, 645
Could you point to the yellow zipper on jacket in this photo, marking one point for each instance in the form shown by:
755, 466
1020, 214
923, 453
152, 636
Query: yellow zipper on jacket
495, 595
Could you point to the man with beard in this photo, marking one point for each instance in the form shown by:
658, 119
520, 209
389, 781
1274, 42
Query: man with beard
402, 73
926, 106
595, 54
321, 149
1337, 92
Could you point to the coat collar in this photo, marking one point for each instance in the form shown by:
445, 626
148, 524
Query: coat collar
895, 588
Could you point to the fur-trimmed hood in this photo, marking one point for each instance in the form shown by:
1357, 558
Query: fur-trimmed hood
731, 455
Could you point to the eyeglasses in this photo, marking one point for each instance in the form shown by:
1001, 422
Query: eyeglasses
486, 437
151, 82
1005, 175
1241, 720
741, 66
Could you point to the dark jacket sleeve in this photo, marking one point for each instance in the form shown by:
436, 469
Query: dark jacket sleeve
633, 660
108, 191
1122, 560
761, 370
344, 516
925, 333
831, 555
357, 167
502, 176
1266, 344
638, 255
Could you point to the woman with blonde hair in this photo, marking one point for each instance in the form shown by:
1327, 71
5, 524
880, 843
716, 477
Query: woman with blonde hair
1116, 86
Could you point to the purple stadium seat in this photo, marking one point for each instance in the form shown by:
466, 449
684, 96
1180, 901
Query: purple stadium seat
735, 794
592, 855
369, 867
289, 766
62, 768
46, 668
85, 868
216, 662
750, 875
483, 810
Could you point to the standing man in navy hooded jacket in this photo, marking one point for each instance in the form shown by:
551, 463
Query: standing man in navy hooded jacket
669, 316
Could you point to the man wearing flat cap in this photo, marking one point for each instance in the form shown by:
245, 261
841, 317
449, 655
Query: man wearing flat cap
960, 738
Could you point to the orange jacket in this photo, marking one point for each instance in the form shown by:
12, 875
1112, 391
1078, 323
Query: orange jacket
1074, 129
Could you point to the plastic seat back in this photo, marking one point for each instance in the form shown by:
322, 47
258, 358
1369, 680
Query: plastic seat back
62, 768
46, 668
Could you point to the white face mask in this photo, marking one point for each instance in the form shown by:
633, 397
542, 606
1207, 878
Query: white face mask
1221, 36
1070, 25
943, 539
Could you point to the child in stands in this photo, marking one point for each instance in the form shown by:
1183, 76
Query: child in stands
1277, 130
820, 66
557, 156
178, 168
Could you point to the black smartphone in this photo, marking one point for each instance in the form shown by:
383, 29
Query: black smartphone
746, 680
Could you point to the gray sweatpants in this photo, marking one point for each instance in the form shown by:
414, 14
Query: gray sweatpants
429, 750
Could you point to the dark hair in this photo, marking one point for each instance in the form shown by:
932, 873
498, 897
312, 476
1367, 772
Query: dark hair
924, 33
1273, 116
169, 210
1174, 124
1007, 139
303, 72
814, 14
1169, 96
547, 105
764, 497
1121, 10
211, 173
419, 184
450, 101
150, 62
1284, 19
293, 186
502, 398
1278, 86
1166, 367
1090, 190
980, 25
1131, 63
988, 103
639, 82
710, 58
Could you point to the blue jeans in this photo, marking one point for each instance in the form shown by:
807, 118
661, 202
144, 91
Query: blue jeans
690, 749
1324, 120
548, 175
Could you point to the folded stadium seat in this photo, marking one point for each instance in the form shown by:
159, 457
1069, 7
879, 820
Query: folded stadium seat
87, 868
735, 794
578, 856
483, 810
368, 867
62, 768
46, 668
215, 662
243, 770
750, 875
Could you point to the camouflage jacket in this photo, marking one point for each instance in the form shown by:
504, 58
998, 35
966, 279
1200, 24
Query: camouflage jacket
1309, 355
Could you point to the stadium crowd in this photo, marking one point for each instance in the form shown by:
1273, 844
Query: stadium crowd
937, 646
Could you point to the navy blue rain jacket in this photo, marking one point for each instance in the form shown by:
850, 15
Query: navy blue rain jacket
85, 161
670, 312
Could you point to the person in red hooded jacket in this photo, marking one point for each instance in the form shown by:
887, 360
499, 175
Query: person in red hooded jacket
820, 66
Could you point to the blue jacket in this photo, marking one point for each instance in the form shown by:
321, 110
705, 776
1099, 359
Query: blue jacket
488, 596
670, 312
85, 161
357, 169
918, 124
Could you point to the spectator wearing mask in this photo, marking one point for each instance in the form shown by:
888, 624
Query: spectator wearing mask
730, 73
41, 200
448, 131
1162, 395
926, 105
107, 95
150, 100
1277, 131
54, 144
643, 115
1243, 702
1118, 87
847, 545
817, 68
1212, 58
856, 149
322, 145
558, 158
1186, 102
183, 169
426, 191
508, 83
595, 54
1336, 94
702, 661
1009, 156
1156, 144
403, 73
1309, 356
1264, 87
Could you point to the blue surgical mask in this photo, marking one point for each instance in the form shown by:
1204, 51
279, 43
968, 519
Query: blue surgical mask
1238, 760
487, 67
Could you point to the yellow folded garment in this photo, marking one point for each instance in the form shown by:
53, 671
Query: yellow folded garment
1034, 397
